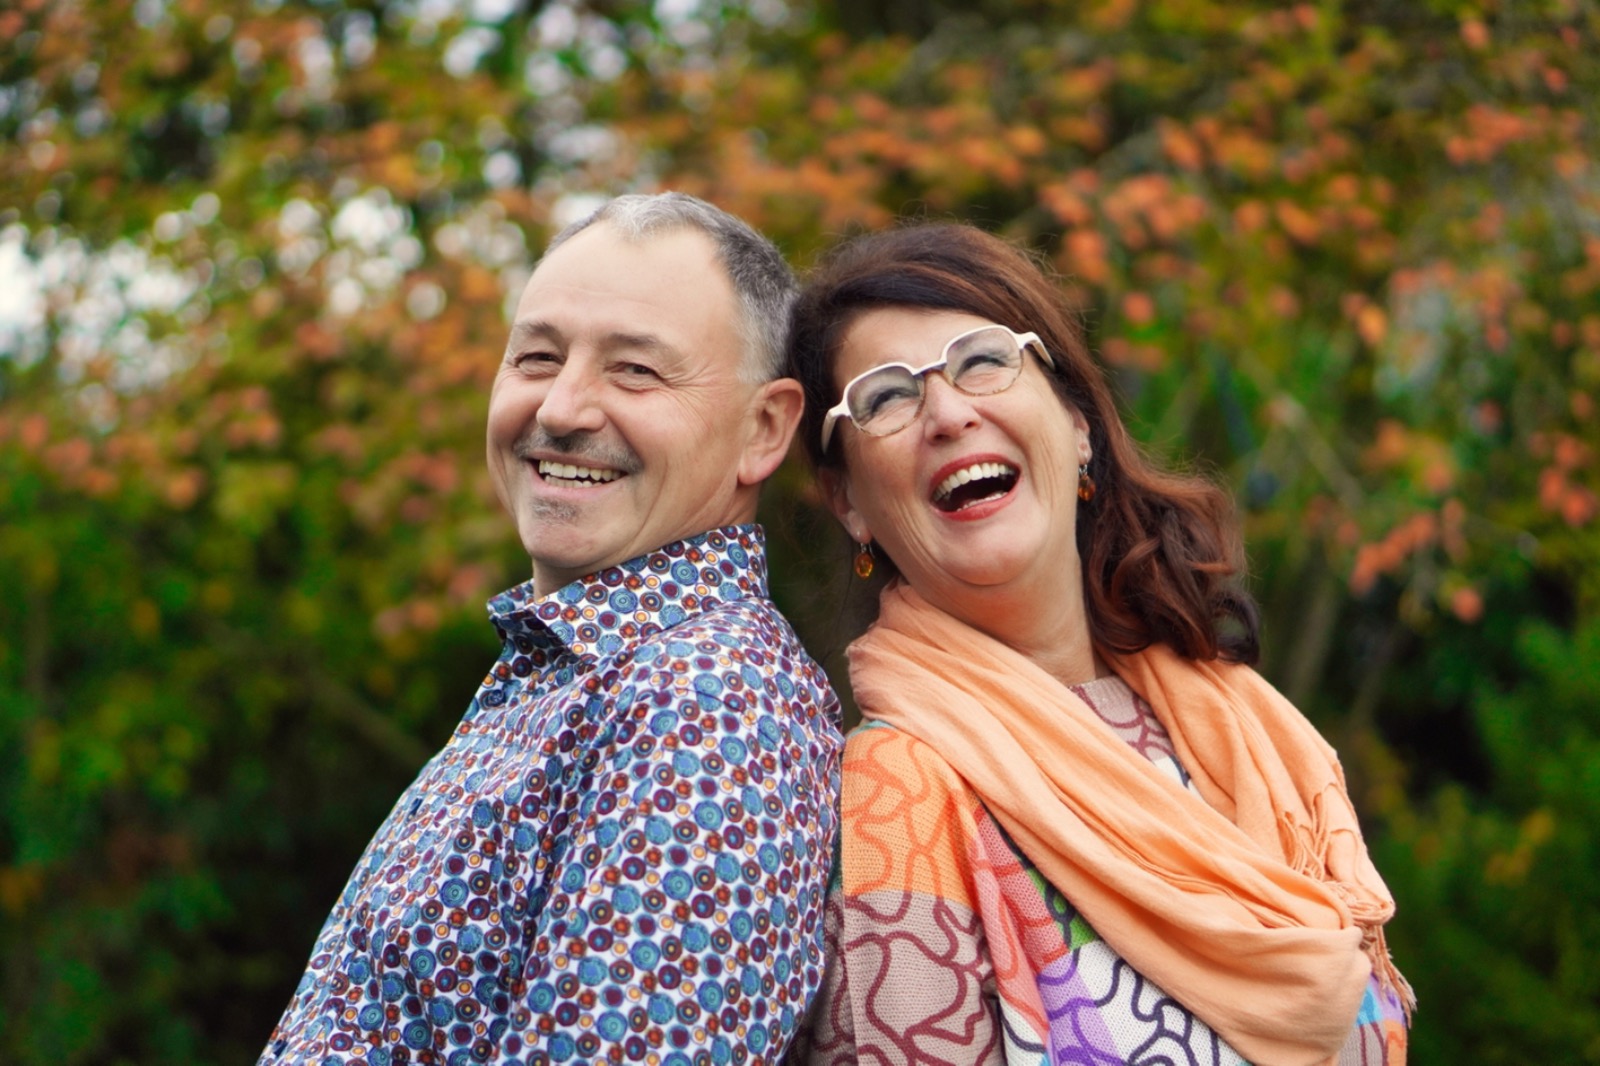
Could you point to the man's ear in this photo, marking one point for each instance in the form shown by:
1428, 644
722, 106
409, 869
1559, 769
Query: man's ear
775, 412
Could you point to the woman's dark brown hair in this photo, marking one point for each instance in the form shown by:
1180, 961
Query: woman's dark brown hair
1161, 552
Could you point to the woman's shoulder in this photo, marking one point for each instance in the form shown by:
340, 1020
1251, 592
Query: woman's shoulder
907, 821
879, 743
891, 774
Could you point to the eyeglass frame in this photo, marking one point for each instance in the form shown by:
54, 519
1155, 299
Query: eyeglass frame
1024, 341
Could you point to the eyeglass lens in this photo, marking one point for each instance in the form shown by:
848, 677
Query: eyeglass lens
979, 364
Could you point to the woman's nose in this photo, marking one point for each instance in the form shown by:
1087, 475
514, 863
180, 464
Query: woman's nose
946, 410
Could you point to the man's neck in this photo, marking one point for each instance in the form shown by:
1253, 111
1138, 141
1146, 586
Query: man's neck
548, 580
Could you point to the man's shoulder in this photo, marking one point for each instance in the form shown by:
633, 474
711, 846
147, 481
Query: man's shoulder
748, 624
741, 645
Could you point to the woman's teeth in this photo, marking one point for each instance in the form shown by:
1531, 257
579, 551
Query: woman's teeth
578, 475
975, 472
1002, 474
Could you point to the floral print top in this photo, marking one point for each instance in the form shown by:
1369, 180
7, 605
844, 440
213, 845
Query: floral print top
947, 947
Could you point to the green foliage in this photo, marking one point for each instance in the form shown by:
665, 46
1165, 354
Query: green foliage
256, 256
1508, 875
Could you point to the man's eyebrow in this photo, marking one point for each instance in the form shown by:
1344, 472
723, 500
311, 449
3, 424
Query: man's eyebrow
648, 342
526, 333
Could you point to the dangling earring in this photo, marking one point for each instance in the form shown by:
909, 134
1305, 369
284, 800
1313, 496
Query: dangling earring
1085, 483
864, 560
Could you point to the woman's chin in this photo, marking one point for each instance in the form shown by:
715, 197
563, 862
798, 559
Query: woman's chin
978, 578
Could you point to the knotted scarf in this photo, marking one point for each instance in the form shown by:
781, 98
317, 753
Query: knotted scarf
1257, 909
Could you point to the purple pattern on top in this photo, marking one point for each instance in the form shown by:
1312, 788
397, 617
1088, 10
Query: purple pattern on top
1128, 715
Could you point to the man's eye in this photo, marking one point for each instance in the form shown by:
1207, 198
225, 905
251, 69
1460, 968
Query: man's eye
636, 370
536, 362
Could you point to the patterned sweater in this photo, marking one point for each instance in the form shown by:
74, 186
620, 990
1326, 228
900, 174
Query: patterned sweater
946, 945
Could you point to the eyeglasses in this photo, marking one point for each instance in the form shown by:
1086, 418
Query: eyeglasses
888, 398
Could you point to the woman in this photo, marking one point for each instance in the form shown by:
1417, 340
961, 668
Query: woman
1077, 826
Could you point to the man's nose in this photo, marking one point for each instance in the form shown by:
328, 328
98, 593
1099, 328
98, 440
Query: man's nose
572, 403
946, 410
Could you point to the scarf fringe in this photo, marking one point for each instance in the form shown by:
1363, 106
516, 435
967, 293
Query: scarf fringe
1304, 846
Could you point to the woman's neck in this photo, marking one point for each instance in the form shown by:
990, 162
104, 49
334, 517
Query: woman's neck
1049, 627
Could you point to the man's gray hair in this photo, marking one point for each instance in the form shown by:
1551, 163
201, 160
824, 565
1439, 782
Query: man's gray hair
762, 281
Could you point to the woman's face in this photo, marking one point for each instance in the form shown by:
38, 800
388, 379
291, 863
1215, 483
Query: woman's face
1014, 522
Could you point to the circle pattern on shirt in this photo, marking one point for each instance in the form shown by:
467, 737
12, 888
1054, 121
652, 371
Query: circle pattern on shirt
620, 856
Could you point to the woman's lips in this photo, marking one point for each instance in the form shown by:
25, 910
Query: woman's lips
971, 484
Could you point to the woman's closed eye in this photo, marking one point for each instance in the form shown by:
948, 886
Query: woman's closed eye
887, 395
985, 359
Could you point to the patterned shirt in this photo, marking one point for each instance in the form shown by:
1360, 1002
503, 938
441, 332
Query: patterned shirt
947, 946
620, 856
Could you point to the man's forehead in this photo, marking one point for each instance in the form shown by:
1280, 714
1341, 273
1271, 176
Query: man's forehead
601, 280
591, 256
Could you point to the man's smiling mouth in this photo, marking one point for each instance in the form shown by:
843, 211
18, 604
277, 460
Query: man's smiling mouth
566, 475
974, 484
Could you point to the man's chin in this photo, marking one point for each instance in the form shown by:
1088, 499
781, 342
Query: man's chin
543, 513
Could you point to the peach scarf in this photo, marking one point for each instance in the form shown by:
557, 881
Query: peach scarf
1258, 909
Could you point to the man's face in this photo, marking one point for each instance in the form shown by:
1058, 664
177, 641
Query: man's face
618, 418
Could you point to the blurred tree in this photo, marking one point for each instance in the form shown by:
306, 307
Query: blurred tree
254, 257
1498, 880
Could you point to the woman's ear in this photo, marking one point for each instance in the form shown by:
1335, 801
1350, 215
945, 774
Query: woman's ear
1085, 449
835, 485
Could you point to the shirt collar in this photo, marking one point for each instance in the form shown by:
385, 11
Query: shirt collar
621, 605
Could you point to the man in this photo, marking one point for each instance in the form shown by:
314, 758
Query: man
621, 854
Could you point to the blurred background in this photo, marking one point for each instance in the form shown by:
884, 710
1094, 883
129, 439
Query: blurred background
255, 263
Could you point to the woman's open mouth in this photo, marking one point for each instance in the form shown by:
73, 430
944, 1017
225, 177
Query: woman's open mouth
973, 484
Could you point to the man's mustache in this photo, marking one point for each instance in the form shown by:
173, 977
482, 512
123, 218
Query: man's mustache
579, 449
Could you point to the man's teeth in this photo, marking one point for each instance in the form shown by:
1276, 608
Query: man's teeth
568, 472
975, 472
